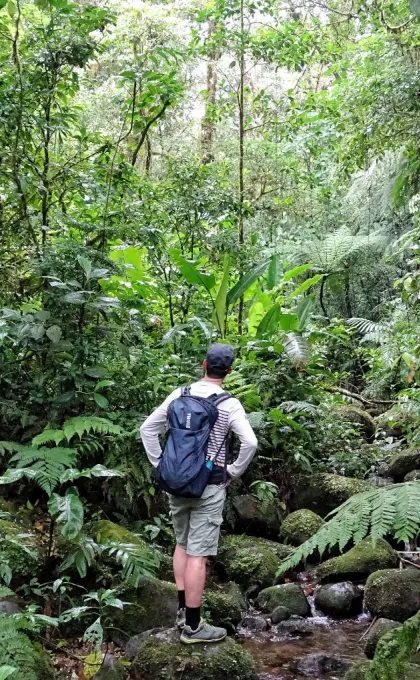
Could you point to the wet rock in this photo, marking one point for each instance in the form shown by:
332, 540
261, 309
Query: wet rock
294, 626
378, 630
314, 665
393, 593
359, 562
289, 595
340, 600
9, 607
403, 463
357, 416
412, 476
323, 492
255, 623
24, 556
112, 669
397, 656
163, 653
300, 525
223, 605
280, 614
251, 561
379, 481
250, 518
154, 604
358, 671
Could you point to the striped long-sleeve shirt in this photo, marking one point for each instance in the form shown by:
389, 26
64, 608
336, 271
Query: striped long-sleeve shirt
232, 418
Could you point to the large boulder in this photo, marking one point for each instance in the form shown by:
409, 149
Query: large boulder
289, 595
299, 526
248, 560
163, 656
403, 463
393, 593
412, 476
153, 604
251, 517
223, 605
359, 562
339, 600
357, 416
324, 492
380, 628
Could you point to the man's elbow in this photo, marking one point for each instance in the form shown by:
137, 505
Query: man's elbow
253, 442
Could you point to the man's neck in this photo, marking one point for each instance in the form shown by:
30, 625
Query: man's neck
213, 381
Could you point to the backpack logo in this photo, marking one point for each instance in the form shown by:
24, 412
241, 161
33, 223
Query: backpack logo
188, 423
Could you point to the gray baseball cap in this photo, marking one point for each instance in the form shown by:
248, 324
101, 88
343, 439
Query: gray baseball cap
220, 358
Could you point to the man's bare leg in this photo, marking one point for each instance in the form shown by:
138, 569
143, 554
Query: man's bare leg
194, 580
180, 563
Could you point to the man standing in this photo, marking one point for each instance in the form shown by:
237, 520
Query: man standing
197, 520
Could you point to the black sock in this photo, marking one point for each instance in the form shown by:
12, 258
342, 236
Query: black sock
192, 617
181, 599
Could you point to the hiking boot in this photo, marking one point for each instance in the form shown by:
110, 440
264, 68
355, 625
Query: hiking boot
204, 633
180, 618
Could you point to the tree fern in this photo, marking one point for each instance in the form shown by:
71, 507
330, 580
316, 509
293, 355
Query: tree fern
43, 465
391, 509
297, 349
78, 426
370, 330
328, 254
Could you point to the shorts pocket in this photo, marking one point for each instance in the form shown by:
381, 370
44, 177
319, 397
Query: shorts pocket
213, 531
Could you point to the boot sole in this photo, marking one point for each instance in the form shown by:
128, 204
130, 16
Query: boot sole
198, 641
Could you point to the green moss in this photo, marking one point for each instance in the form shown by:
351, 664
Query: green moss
324, 492
248, 560
358, 671
393, 593
403, 463
359, 562
380, 628
105, 531
24, 556
289, 595
153, 604
223, 605
162, 657
396, 654
300, 525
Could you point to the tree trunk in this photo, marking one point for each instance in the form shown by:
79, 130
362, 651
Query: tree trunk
208, 124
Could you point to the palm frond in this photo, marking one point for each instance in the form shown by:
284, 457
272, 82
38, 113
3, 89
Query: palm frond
297, 349
371, 331
387, 510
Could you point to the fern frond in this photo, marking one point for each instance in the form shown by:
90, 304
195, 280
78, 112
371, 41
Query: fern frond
297, 349
16, 649
371, 330
329, 253
44, 465
387, 510
137, 561
304, 407
80, 426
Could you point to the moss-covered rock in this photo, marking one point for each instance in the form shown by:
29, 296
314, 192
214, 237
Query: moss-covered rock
358, 672
340, 600
380, 628
403, 463
104, 531
248, 560
393, 593
289, 595
300, 525
279, 614
412, 476
359, 562
223, 605
153, 604
23, 555
357, 416
324, 492
251, 517
163, 657
396, 656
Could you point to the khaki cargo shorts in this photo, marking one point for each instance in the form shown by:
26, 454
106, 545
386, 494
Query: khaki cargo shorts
197, 521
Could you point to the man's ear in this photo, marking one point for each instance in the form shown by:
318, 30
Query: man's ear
205, 364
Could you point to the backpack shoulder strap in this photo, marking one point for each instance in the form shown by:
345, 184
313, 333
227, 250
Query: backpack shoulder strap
185, 391
222, 397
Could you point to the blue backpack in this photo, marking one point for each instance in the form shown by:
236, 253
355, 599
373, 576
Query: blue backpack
183, 469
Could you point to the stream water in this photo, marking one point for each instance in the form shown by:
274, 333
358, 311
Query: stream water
276, 657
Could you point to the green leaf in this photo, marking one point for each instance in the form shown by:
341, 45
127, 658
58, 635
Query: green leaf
11, 8
304, 311
297, 271
103, 383
85, 264
270, 321
6, 671
54, 333
94, 635
240, 288
101, 401
3, 3
274, 272
306, 285
191, 274
68, 512
219, 312
288, 322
